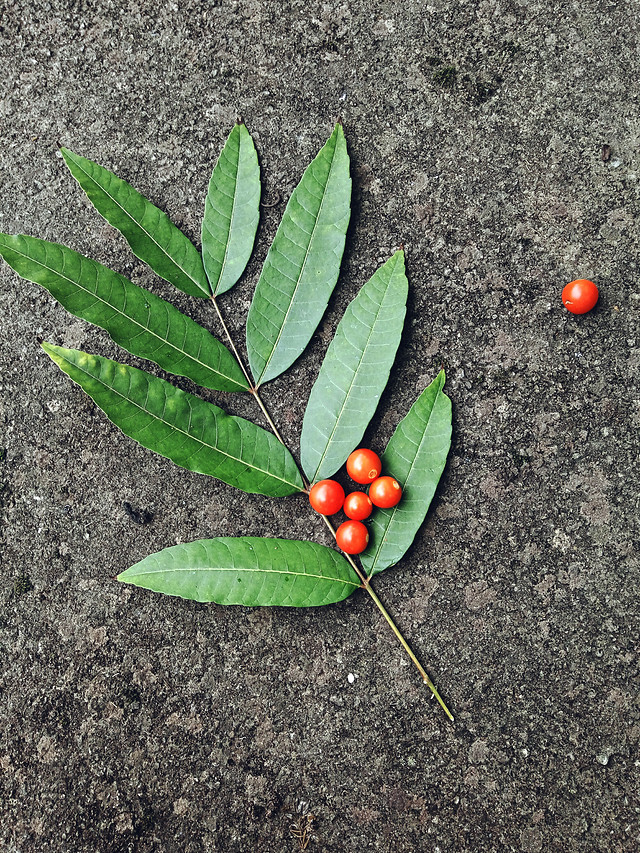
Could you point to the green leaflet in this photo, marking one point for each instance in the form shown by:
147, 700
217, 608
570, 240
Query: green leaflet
248, 570
139, 321
192, 433
231, 211
415, 456
150, 233
354, 372
302, 265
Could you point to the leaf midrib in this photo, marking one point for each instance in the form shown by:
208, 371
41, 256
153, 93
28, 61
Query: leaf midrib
140, 226
122, 313
181, 431
233, 210
247, 571
302, 268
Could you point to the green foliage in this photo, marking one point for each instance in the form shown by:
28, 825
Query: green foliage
195, 435
303, 263
231, 211
248, 570
137, 319
150, 233
415, 455
354, 372
298, 276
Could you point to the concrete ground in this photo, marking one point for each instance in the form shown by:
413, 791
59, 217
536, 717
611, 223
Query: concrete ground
499, 142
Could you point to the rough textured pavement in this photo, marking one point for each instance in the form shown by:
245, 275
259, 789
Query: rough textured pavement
498, 141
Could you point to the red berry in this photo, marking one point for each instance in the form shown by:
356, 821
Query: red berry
358, 506
326, 497
352, 537
580, 296
364, 466
385, 492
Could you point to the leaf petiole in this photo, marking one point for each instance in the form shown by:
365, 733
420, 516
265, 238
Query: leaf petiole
232, 345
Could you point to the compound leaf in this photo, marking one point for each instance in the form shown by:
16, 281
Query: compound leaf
139, 321
148, 230
355, 371
302, 265
248, 570
231, 211
192, 433
415, 456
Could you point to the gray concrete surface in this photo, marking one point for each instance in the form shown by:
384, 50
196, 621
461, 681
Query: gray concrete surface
133, 722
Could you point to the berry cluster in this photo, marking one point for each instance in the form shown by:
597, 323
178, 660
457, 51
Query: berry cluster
327, 497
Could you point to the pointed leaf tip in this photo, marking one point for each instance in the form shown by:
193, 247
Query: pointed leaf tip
135, 318
194, 434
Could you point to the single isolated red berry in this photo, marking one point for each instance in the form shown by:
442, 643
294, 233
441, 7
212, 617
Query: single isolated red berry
352, 537
580, 296
357, 506
364, 466
385, 492
326, 497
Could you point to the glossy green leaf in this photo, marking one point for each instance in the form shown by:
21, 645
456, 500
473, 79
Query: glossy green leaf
354, 372
192, 433
151, 234
248, 570
231, 211
302, 265
139, 321
415, 456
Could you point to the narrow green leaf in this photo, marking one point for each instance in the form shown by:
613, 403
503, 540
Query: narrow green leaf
302, 265
354, 372
192, 433
148, 230
139, 321
248, 570
231, 211
415, 456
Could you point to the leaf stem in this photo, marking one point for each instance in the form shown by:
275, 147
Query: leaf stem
366, 584
252, 389
231, 343
408, 650
365, 581
274, 428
